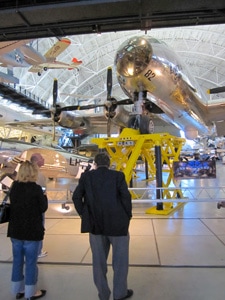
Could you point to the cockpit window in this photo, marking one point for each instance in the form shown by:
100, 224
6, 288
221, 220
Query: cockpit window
133, 56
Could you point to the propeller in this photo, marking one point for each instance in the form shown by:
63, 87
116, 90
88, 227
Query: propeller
109, 83
110, 104
216, 90
53, 111
110, 111
55, 96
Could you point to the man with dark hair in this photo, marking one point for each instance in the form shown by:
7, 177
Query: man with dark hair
103, 201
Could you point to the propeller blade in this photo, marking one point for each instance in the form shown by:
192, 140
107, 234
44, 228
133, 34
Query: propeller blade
216, 90
40, 112
108, 127
55, 92
53, 135
109, 83
78, 107
54, 96
125, 102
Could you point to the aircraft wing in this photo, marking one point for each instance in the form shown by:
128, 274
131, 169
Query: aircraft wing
98, 124
90, 124
42, 127
8, 46
86, 124
31, 123
58, 48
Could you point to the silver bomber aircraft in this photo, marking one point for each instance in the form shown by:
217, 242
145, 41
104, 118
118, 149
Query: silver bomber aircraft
151, 73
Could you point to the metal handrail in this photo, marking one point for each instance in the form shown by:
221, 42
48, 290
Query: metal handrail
157, 194
184, 194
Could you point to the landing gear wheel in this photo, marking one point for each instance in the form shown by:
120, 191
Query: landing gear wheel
143, 123
134, 122
219, 205
146, 125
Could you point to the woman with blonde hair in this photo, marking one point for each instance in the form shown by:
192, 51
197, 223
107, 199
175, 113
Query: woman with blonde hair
26, 230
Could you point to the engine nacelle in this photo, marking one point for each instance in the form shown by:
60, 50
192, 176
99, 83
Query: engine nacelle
120, 116
70, 120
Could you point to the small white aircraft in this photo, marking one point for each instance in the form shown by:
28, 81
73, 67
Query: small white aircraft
25, 56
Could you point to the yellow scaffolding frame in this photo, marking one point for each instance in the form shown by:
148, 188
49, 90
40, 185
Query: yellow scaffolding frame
130, 145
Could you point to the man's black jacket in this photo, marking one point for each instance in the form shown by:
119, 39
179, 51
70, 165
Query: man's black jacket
103, 201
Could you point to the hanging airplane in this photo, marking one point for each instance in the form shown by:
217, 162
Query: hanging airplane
25, 56
158, 85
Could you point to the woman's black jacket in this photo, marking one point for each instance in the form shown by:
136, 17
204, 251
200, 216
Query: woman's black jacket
28, 203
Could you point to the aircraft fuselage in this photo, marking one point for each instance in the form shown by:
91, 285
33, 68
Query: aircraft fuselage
146, 65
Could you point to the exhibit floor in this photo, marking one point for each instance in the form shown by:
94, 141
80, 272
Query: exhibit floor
173, 257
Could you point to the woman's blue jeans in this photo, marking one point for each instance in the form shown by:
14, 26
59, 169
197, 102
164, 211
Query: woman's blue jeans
25, 254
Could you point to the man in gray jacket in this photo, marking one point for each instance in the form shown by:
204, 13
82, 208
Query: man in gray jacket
103, 201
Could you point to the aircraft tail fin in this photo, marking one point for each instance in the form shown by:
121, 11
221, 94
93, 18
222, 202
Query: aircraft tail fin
75, 63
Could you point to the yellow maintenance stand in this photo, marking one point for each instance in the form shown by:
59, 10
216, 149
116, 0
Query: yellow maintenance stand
126, 149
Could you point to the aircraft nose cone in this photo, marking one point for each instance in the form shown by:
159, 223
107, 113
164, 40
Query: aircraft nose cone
133, 56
